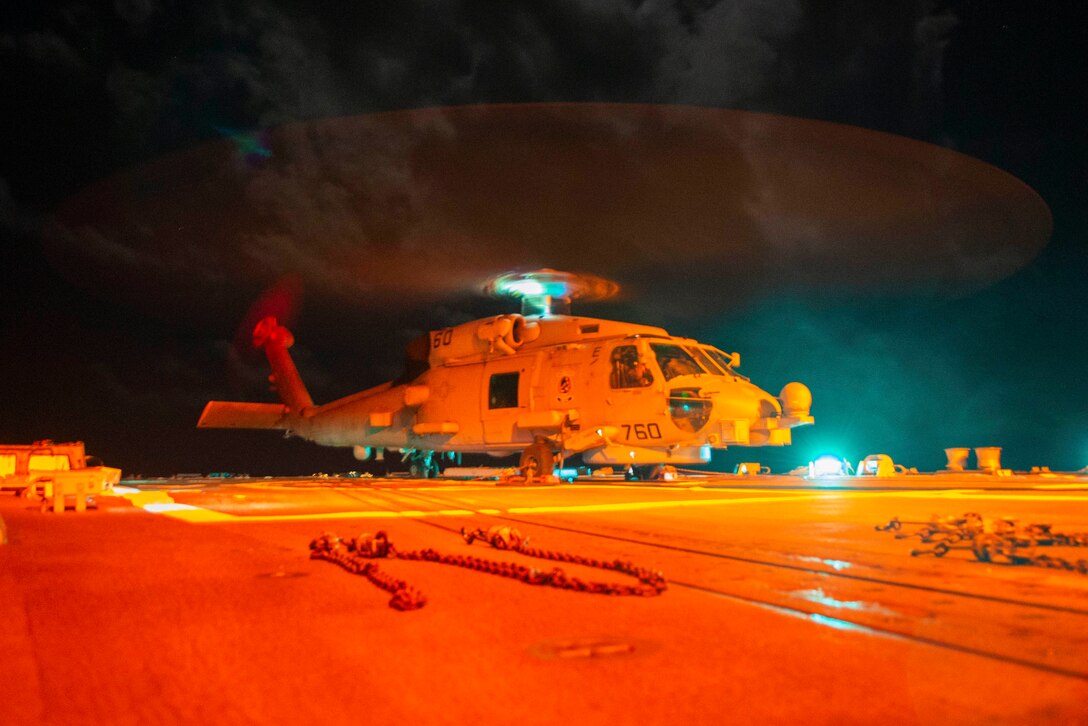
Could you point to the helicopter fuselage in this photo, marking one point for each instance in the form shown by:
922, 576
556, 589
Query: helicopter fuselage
617, 393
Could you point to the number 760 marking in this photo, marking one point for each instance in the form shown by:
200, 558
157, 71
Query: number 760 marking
642, 431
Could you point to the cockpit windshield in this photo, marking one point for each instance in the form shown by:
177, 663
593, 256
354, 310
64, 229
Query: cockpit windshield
675, 361
723, 360
705, 361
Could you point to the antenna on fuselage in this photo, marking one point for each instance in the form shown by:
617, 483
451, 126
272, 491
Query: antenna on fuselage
547, 292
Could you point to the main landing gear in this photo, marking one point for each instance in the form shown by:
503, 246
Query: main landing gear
422, 464
423, 469
650, 472
427, 464
537, 460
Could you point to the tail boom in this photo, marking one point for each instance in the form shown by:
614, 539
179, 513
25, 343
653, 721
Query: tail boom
275, 339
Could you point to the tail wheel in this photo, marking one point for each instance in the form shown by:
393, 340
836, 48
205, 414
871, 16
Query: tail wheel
536, 461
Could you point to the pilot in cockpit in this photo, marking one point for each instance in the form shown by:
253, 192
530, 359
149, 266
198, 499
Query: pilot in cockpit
627, 370
639, 375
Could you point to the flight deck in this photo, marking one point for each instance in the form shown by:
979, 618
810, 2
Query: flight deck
785, 600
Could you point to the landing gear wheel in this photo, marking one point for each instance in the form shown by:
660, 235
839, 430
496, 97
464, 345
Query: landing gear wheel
642, 472
649, 472
536, 461
424, 467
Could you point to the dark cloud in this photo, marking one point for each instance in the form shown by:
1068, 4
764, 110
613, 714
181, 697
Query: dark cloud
931, 37
175, 73
11, 218
47, 49
135, 12
726, 55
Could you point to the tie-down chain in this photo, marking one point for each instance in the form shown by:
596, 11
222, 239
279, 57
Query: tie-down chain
1001, 541
358, 556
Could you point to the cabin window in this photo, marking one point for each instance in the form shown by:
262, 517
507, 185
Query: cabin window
49, 462
628, 371
502, 391
674, 361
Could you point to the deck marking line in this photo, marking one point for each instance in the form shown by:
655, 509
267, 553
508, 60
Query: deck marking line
159, 502
635, 506
1021, 497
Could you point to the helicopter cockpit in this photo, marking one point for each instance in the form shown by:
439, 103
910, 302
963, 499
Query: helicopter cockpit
687, 374
675, 361
631, 368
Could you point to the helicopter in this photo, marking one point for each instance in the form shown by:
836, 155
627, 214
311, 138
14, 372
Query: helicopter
542, 383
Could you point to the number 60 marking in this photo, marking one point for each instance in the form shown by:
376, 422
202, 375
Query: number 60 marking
442, 337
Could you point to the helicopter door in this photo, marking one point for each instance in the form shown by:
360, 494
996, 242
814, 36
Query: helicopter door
505, 394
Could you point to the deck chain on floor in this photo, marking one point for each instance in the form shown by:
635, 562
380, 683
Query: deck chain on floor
358, 556
1003, 541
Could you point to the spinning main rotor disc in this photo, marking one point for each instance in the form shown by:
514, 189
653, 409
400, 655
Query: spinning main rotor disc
683, 206
548, 291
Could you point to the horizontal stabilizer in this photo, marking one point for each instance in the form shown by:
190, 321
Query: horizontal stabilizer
237, 415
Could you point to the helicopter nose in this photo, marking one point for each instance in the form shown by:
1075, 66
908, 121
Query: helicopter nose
744, 415
768, 406
693, 408
744, 400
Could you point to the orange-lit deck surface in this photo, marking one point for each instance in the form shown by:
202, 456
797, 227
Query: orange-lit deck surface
200, 604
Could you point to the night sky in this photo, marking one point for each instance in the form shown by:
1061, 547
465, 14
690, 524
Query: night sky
146, 117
